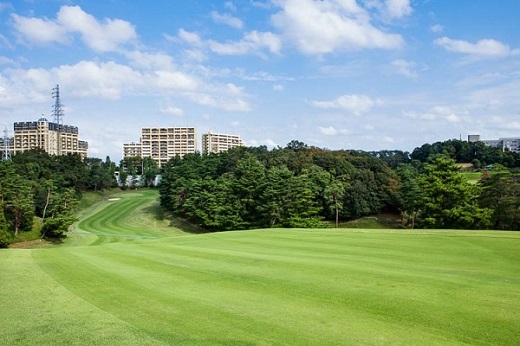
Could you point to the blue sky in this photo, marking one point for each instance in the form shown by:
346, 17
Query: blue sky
337, 74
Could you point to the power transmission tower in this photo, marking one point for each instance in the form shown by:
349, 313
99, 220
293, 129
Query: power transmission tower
58, 114
6, 154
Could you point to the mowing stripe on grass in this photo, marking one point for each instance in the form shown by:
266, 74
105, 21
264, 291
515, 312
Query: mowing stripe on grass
138, 282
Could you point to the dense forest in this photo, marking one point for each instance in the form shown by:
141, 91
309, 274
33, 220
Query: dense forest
301, 186
294, 186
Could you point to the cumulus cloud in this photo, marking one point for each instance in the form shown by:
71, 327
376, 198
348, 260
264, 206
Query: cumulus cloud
227, 19
40, 31
437, 28
484, 48
356, 104
189, 37
147, 60
253, 42
172, 110
451, 114
228, 97
320, 27
100, 36
405, 68
398, 8
278, 87
391, 9
331, 131
111, 81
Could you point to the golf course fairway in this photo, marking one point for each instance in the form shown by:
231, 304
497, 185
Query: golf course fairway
127, 277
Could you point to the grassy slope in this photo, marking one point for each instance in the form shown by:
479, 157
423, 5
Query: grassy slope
378, 287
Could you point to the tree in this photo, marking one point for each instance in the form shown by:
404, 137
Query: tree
20, 205
57, 227
247, 181
17, 198
5, 236
274, 196
410, 194
150, 171
501, 193
334, 194
448, 200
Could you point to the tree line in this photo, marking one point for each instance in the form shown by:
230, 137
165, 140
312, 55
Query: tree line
48, 187
301, 186
293, 186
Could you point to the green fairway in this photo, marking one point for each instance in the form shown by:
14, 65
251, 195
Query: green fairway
127, 277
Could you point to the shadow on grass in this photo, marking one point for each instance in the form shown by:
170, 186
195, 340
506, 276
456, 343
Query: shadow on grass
160, 214
380, 221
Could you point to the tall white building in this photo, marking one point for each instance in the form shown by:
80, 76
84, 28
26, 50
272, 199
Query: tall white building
163, 143
218, 142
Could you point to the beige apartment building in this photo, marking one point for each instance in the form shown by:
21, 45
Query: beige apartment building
163, 143
219, 142
53, 138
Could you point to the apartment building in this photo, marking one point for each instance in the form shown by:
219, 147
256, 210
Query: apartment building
132, 150
53, 138
218, 142
163, 143
509, 143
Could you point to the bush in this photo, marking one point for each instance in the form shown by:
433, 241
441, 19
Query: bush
57, 227
5, 238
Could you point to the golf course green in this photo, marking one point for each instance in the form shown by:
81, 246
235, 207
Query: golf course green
126, 276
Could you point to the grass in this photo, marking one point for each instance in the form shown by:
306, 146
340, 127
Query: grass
128, 277
472, 177
380, 221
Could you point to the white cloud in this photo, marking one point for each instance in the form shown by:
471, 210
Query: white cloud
253, 42
227, 20
146, 60
356, 104
483, 48
405, 68
40, 31
278, 87
172, 110
420, 116
228, 97
320, 27
6, 61
437, 28
230, 6
398, 8
267, 142
331, 131
452, 118
112, 81
104, 36
390, 9
452, 114
188, 37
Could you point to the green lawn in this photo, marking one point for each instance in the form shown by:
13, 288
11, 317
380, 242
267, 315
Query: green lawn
472, 177
127, 277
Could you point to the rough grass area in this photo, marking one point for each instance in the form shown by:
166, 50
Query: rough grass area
124, 278
472, 177
380, 221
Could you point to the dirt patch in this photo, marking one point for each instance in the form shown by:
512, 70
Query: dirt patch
34, 244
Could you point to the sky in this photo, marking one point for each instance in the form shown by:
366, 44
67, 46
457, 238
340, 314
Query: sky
336, 74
